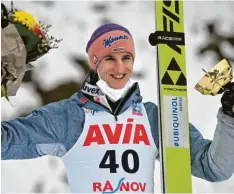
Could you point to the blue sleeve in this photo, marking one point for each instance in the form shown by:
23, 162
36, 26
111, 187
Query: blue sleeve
211, 160
152, 113
214, 160
50, 130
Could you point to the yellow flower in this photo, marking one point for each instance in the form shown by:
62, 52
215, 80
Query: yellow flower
25, 19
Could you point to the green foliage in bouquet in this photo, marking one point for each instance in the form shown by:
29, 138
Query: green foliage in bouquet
35, 37
34, 34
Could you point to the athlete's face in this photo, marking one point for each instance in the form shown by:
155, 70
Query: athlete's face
116, 69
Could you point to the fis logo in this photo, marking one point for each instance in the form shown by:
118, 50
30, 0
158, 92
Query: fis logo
137, 110
109, 41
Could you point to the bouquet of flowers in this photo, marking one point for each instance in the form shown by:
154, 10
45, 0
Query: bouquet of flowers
24, 40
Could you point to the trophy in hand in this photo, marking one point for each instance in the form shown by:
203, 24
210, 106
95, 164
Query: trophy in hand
217, 80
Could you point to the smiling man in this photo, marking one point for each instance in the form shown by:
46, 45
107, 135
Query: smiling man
116, 69
106, 136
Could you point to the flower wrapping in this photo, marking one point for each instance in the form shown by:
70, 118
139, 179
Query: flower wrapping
24, 40
13, 57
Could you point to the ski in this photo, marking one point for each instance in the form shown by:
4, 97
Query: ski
172, 97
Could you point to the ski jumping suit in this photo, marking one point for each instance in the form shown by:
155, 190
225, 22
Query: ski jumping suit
111, 152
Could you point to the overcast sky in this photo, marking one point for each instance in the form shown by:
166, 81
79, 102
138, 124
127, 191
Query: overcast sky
138, 17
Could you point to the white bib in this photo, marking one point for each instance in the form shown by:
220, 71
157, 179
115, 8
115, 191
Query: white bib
113, 156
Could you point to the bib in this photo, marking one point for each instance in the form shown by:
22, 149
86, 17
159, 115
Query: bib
113, 156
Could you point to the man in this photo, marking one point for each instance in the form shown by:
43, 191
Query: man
106, 136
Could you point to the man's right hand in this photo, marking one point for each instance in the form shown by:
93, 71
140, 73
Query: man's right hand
227, 100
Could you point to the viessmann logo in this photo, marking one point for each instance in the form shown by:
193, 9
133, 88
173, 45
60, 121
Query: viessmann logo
109, 41
122, 186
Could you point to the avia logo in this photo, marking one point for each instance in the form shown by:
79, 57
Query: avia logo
122, 186
170, 18
109, 41
91, 90
174, 75
130, 133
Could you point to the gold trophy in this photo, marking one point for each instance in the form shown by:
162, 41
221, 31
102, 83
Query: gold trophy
216, 80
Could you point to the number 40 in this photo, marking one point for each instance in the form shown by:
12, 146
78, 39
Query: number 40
112, 165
